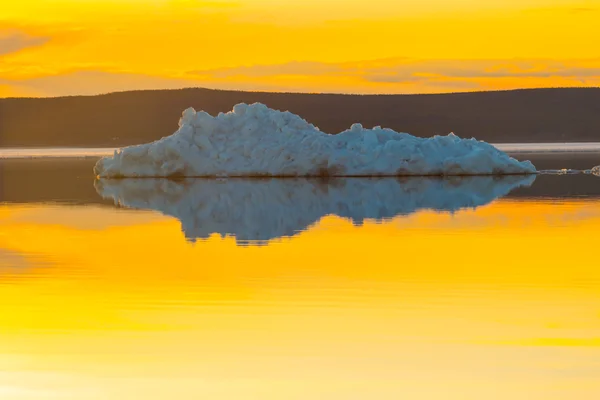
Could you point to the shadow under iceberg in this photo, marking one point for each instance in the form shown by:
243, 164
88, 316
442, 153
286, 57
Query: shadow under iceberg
258, 210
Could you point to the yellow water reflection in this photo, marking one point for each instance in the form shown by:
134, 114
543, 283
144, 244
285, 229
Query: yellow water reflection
500, 302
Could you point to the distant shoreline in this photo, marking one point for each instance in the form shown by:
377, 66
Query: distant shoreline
563, 115
298, 92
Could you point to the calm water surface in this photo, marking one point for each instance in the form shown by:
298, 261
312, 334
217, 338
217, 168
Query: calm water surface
298, 289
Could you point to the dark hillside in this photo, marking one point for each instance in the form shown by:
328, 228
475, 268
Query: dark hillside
537, 115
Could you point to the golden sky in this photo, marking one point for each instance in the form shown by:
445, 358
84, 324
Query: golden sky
63, 47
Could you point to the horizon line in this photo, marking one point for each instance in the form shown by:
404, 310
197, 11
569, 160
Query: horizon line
303, 93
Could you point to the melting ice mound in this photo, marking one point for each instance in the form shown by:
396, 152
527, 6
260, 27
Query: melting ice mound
253, 140
263, 209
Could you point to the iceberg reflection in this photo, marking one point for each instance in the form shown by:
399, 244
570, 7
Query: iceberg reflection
259, 210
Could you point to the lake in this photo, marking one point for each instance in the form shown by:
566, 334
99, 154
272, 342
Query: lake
387, 288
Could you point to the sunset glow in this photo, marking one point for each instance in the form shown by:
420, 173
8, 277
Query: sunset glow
65, 47
221, 320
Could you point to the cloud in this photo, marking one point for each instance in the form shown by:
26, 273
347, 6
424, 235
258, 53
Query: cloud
402, 75
14, 41
289, 68
378, 76
91, 82
407, 71
422, 70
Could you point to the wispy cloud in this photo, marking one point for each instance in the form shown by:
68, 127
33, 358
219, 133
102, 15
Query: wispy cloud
290, 68
90, 82
475, 69
406, 70
14, 41
398, 75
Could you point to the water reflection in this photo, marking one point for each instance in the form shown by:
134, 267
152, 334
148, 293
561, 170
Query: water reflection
260, 210
500, 302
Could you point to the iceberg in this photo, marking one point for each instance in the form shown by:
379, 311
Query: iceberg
258, 210
256, 141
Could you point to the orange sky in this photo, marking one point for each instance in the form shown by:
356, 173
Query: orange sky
63, 47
